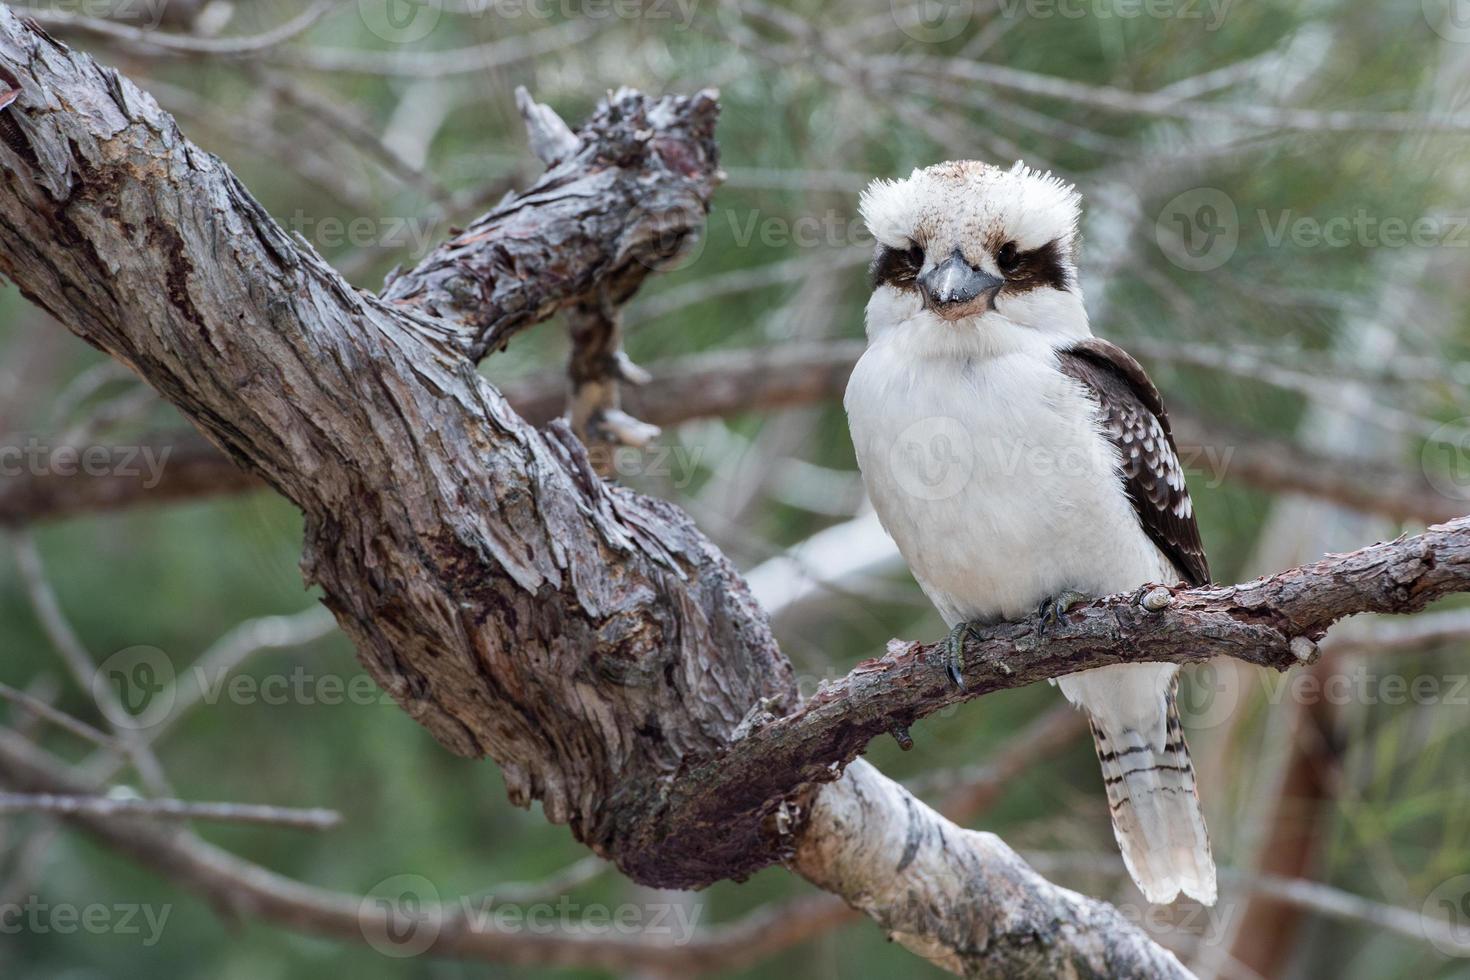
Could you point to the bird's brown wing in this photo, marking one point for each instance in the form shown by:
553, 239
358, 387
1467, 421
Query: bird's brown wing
1134, 419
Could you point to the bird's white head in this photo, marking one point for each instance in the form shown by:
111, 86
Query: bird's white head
973, 259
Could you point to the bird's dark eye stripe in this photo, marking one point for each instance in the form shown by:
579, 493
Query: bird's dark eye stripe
1037, 268
895, 267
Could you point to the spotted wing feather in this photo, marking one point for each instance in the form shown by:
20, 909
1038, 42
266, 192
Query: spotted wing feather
1135, 420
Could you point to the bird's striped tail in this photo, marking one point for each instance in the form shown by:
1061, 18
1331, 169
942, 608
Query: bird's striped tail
1155, 807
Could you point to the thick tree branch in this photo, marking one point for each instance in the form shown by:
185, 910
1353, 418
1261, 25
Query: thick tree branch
492, 584
1274, 621
169, 809
629, 196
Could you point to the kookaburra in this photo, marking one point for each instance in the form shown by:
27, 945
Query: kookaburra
1021, 464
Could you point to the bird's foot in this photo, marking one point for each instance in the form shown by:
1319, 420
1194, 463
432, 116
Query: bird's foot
954, 649
1053, 608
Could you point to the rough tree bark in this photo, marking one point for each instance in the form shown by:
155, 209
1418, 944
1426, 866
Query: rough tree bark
588, 639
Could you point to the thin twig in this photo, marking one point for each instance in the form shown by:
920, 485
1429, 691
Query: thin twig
731, 382
354, 130
108, 806
79, 662
225, 655
475, 59
1112, 99
573, 876
179, 43
58, 718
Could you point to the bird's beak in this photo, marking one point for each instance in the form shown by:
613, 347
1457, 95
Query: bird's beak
955, 289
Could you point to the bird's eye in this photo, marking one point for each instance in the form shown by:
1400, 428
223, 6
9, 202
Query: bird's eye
1008, 257
896, 267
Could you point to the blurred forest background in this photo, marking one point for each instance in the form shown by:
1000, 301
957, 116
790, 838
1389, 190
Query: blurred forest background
1296, 280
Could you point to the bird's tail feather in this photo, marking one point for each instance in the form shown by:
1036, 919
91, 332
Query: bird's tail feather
1155, 807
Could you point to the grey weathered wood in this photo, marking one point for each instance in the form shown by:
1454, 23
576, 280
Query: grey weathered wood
550, 137
492, 584
628, 200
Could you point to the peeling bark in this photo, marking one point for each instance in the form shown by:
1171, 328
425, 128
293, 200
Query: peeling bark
596, 370
588, 639
627, 199
962, 898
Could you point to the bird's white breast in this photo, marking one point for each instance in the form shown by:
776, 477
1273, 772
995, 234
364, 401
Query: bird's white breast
993, 477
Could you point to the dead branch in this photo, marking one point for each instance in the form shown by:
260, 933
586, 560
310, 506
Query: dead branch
236, 886
169, 809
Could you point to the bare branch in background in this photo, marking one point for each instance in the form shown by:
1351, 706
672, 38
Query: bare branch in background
79, 662
472, 60
191, 469
730, 382
240, 887
162, 42
1165, 104
111, 806
60, 719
